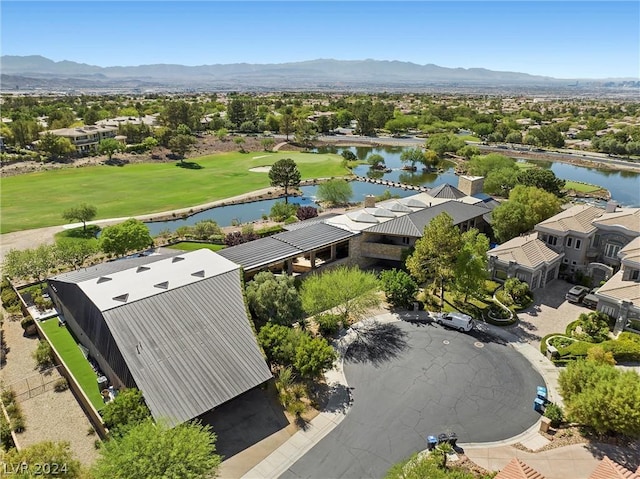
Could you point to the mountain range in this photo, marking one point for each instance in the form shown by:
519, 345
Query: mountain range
39, 71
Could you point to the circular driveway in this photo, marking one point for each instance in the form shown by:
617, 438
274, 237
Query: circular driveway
419, 380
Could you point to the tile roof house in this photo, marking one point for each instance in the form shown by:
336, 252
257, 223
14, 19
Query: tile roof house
516, 469
527, 258
173, 326
85, 138
606, 469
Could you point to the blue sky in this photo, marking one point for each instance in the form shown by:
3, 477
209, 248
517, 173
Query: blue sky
572, 39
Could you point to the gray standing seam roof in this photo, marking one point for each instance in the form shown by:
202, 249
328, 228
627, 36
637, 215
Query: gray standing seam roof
259, 252
285, 245
111, 267
189, 349
310, 221
313, 237
413, 224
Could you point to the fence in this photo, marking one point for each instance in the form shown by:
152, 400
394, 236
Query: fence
36, 384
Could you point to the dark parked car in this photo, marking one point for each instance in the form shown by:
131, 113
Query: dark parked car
591, 300
576, 294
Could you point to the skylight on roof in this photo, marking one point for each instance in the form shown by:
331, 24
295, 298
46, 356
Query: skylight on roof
142, 269
198, 274
103, 279
163, 285
177, 258
122, 298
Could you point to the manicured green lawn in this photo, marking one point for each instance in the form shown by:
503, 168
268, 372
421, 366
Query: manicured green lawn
581, 187
37, 199
65, 344
191, 246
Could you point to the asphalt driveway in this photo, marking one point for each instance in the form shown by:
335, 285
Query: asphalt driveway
427, 381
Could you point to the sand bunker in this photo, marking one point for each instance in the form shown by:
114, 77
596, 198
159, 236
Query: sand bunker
261, 169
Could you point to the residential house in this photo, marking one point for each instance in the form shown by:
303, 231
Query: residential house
174, 326
606, 469
86, 138
527, 258
619, 297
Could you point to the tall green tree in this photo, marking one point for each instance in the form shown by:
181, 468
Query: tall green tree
47, 459
597, 394
335, 192
287, 121
350, 291
274, 299
55, 146
181, 144
127, 410
399, 287
285, 173
109, 146
83, 212
131, 235
151, 451
435, 253
526, 207
412, 156
470, 272
543, 179
73, 252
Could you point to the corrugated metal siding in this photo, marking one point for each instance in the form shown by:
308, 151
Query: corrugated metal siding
259, 252
190, 349
88, 325
314, 237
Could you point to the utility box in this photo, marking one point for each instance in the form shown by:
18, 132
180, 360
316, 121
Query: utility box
545, 424
552, 352
538, 405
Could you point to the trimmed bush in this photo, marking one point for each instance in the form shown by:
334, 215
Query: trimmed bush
328, 324
555, 413
43, 355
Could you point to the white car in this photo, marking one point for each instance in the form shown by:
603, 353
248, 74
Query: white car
459, 321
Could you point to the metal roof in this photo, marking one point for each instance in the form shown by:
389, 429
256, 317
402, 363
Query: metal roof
113, 290
314, 237
111, 267
446, 191
413, 224
191, 348
285, 245
260, 252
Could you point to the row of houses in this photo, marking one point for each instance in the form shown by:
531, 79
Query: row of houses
175, 325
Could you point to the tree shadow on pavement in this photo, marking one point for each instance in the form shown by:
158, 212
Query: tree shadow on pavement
627, 456
331, 397
376, 343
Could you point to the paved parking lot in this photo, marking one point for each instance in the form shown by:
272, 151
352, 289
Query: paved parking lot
427, 381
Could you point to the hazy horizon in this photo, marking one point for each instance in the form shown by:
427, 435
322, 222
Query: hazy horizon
575, 39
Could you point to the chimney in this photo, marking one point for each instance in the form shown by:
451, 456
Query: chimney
369, 201
471, 185
611, 206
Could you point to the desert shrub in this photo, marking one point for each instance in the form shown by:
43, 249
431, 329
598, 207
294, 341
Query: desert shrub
60, 385
6, 441
555, 413
27, 322
626, 336
16, 421
237, 237
269, 230
328, 324
280, 211
43, 355
42, 304
594, 327
8, 295
306, 212
18, 424
399, 287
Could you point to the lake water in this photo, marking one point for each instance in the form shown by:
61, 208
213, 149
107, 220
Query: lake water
624, 187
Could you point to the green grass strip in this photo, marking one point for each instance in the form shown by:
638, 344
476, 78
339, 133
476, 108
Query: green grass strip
68, 349
581, 187
192, 246
36, 200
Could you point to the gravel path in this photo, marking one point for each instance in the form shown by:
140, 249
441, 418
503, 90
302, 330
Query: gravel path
48, 415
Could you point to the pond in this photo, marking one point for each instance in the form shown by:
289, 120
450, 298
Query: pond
624, 186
